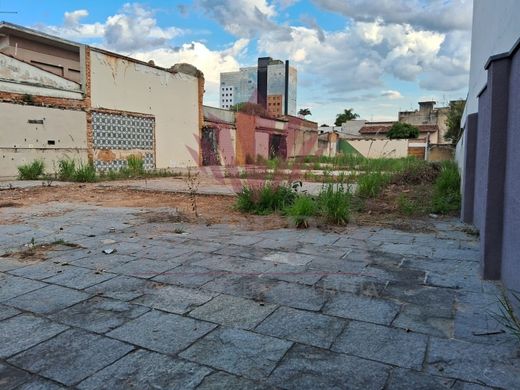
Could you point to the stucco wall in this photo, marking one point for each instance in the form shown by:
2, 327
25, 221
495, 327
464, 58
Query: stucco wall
120, 84
227, 145
22, 142
262, 144
377, 148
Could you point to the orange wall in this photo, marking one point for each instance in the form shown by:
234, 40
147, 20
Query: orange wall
245, 125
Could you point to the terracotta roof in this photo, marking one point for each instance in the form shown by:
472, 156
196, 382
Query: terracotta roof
384, 129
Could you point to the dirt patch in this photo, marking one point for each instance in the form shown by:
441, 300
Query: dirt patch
35, 253
9, 204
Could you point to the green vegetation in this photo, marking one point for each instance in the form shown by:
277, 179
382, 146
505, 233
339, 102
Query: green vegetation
446, 194
334, 204
507, 316
453, 121
135, 165
402, 130
370, 185
303, 208
346, 115
265, 199
304, 112
31, 171
85, 173
406, 206
66, 170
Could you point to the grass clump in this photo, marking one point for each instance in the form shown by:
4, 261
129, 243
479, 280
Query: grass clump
66, 169
85, 173
303, 208
507, 316
334, 204
446, 194
31, 171
135, 165
265, 199
370, 185
406, 206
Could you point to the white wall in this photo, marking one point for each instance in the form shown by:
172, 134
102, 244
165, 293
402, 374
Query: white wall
173, 99
376, 148
22, 142
496, 28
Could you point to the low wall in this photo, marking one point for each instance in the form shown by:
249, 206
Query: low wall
377, 148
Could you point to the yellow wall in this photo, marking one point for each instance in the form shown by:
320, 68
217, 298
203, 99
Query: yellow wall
119, 84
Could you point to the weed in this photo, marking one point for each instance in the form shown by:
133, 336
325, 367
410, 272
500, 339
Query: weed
135, 165
265, 199
31, 171
301, 210
334, 204
446, 194
179, 230
85, 173
66, 169
405, 205
370, 185
192, 181
507, 316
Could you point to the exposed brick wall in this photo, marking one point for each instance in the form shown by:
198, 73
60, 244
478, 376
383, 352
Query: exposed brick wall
88, 104
42, 101
201, 116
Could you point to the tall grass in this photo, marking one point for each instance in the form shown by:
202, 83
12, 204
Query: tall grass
85, 173
66, 169
334, 204
265, 199
370, 185
446, 193
31, 171
135, 164
303, 208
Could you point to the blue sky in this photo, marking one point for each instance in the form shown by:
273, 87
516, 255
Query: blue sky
377, 56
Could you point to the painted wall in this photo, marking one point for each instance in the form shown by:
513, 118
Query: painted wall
227, 145
262, 144
377, 148
245, 145
22, 142
495, 30
173, 99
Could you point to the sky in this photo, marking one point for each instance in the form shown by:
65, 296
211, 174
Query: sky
375, 56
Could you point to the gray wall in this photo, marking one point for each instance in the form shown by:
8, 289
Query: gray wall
491, 188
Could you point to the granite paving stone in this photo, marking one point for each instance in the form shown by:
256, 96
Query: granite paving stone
144, 268
383, 344
99, 314
239, 352
147, 370
361, 308
223, 381
40, 384
162, 332
124, 288
174, 299
161, 252
7, 312
8, 263
304, 327
234, 264
188, 276
79, 278
290, 258
423, 319
293, 274
401, 379
305, 367
496, 366
233, 311
48, 299
13, 286
11, 377
39, 271
100, 261
71, 356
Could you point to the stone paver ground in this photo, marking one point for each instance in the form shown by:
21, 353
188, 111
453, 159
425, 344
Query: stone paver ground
217, 307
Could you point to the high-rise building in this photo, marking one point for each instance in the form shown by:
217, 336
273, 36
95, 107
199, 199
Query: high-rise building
271, 84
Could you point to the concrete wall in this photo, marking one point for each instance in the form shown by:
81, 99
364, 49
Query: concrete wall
262, 144
495, 30
172, 98
22, 142
377, 148
440, 153
227, 139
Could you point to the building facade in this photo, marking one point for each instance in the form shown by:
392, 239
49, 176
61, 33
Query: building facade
272, 84
60, 99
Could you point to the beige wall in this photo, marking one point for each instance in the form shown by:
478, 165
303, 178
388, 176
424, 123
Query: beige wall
381, 147
22, 142
173, 99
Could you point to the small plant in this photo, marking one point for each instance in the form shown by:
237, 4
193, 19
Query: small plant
179, 230
446, 194
405, 205
265, 199
371, 184
507, 316
31, 171
85, 173
66, 169
192, 181
135, 165
301, 210
334, 204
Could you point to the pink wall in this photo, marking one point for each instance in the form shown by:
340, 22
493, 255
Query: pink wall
226, 145
262, 144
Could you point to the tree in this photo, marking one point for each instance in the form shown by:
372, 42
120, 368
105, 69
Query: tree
304, 112
402, 130
324, 125
346, 115
453, 121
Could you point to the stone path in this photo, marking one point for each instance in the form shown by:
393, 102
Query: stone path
219, 307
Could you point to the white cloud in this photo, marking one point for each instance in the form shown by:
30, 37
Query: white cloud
391, 94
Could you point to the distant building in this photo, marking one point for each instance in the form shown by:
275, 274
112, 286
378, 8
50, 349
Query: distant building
271, 84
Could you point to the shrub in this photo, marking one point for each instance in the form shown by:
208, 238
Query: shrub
85, 173
265, 199
334, 204
135, 164
31, 171
66, 169
301, 210
402, 130
371, 184
446, 194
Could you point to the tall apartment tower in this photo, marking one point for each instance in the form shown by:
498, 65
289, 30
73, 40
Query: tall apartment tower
271, 84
